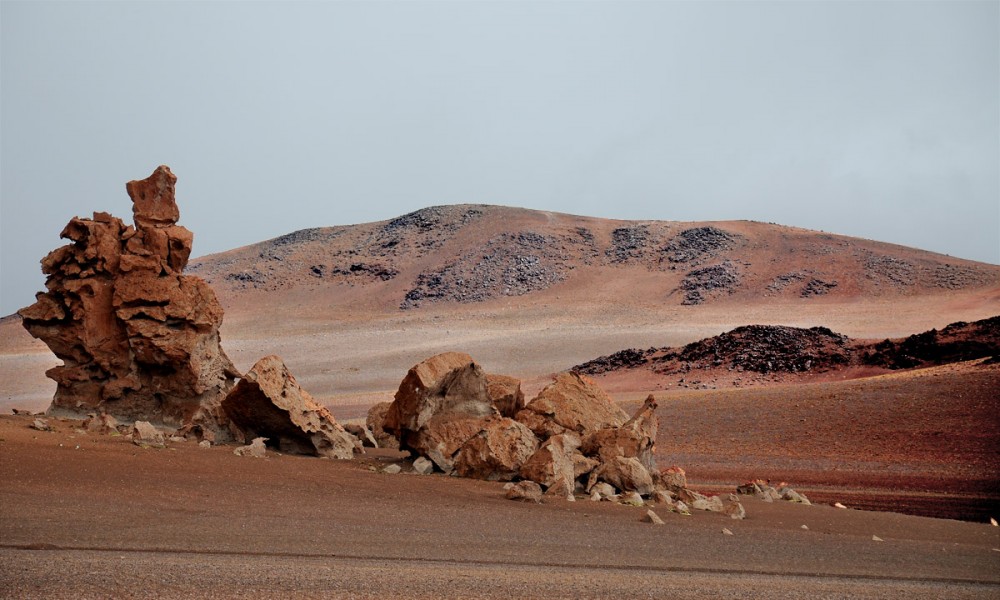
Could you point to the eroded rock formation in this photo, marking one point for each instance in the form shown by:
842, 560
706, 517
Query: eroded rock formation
138, 339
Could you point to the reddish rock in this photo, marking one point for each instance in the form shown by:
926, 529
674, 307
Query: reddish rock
674, 478
442, 437
552, 465
375, 422
450, 383
541, 426
102, 424
441, 404
574, 402
505, 394
268, 402
138, 339
624, 473
525, 491
496, 452
144, 434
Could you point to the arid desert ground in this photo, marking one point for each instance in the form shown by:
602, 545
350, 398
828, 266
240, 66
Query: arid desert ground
96, 516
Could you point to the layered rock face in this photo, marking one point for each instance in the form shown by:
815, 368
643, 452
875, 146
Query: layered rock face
138, 339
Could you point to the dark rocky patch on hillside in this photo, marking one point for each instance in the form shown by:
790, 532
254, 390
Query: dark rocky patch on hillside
777, 349
511, 264
698, 244
701, 284
629, 244
421, 231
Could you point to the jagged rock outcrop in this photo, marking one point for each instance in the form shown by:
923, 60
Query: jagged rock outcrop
138, 339
268, 402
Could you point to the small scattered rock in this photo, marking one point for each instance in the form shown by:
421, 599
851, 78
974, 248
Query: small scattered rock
631, 498
204, 444
806, 527
726, 531
40, 425
791, 495
21, 411
255, 448
839, 505
735, 511
177, 439
423, 466
101, 424
993, 522
876, 538
144, 434
525, 491
392, 469
652, 517
362, 433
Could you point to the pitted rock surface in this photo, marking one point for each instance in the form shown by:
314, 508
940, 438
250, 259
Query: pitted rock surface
138, 339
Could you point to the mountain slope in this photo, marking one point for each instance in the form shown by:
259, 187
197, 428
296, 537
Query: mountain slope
468, 254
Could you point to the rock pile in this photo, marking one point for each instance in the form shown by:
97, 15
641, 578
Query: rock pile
138, 339
701, 284
570, 439
697, 244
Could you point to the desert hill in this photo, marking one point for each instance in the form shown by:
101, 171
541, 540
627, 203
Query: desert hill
529, 293
469, 254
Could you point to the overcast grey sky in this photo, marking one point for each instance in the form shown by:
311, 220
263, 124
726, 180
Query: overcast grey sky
874, 119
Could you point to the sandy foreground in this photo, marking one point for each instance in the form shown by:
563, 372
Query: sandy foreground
96, 516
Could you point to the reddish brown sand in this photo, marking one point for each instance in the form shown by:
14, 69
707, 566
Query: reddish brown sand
96, 516
925, 442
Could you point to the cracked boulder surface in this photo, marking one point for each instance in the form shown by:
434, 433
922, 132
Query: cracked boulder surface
138, 339
268, 402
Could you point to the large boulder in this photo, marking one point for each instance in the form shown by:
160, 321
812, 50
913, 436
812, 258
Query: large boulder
497, 452
450, 383
138, 339
268, 402
573, 402
441, 404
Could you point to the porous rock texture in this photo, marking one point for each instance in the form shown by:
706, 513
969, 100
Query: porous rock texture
268, 402
138, 339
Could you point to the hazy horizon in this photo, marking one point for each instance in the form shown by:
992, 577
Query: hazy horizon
876, 120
